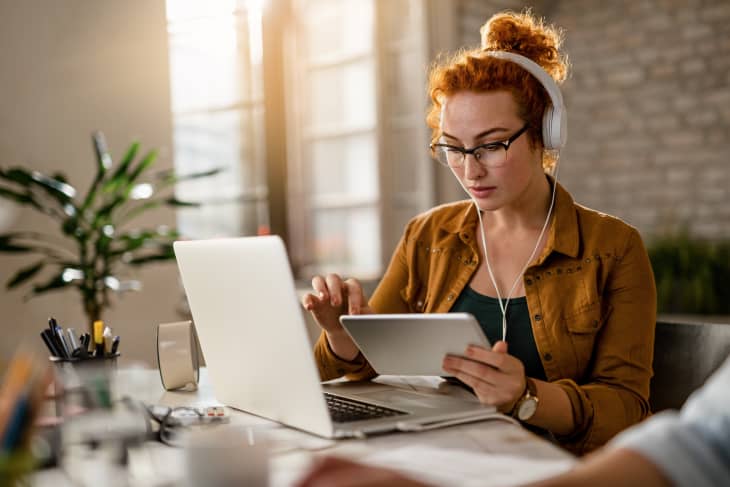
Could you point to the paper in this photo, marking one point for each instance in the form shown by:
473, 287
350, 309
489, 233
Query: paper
454, 467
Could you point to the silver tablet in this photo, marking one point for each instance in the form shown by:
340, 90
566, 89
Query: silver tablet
412, 344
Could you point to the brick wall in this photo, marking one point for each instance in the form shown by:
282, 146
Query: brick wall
649, 106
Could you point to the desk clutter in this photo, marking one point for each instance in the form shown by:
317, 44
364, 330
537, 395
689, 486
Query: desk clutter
87, 421
22, 392
65, 346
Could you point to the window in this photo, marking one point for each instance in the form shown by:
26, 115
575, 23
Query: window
358, 162
345, 155
217, 103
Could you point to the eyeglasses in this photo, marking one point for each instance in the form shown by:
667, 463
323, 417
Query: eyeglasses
490, 155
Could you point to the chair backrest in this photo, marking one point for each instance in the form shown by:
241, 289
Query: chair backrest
685, 355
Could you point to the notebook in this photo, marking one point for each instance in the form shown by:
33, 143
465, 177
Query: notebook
253, 335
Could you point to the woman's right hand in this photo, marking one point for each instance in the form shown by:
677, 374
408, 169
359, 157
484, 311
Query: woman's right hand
333, 297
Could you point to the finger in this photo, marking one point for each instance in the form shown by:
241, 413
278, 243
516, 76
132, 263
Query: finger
486, 393
308, 301
458, 365
320, 286
335, 286
498, 360
500, 347
355, 296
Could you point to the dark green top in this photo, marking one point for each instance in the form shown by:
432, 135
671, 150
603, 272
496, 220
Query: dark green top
520, 340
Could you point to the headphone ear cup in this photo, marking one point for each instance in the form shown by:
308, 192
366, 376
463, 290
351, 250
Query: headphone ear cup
548, 135
554, 128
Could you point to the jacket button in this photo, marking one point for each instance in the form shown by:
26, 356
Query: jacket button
450, 297
419, 304
528, 282
538, 317
547, 357
549, 273
588, 260
537, 277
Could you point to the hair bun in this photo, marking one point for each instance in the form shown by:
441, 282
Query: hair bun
523, 33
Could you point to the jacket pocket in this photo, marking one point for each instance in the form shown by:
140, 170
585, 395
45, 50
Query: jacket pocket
583, 328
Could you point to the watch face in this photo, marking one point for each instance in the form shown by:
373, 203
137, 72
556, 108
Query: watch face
527, 409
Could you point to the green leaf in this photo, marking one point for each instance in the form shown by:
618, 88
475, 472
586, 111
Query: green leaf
60, 191
7, 245
145, 163
138, 239
103, 162
167, 253
120, 177
103, 158
56, 282
168, 177
20, 198
172, 201
24, 274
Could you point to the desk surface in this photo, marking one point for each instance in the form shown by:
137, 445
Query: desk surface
458, 455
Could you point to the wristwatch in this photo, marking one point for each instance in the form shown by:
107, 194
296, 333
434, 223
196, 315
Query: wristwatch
526, 405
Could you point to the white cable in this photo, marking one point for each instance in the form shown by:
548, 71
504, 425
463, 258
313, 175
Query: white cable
503, 306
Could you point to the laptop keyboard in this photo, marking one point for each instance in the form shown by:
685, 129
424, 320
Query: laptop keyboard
343, 410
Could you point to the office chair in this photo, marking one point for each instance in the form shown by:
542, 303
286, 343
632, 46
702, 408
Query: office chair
685, 355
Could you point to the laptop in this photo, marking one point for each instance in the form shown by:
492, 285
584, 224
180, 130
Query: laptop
253, 334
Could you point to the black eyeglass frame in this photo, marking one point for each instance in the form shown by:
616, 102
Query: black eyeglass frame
473, 151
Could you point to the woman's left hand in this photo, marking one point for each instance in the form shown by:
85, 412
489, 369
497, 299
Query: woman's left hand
498, 379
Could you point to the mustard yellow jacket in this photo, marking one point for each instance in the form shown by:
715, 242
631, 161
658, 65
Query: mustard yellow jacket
591, 297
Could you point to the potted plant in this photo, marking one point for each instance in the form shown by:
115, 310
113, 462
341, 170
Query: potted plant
96, 242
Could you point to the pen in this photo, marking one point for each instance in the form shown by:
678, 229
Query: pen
107, 340
115, 344
46, 336
72, 339
64, 347
52, 326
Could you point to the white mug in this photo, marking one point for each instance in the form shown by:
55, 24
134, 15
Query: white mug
226, 455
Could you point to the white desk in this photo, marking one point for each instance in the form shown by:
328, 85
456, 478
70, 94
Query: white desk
292, 451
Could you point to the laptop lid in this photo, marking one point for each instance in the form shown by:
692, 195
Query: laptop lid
252, 332
248, 318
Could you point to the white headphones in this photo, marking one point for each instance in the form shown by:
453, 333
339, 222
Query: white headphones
555, 118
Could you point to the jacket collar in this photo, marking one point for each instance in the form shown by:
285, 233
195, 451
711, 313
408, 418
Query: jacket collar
563, 233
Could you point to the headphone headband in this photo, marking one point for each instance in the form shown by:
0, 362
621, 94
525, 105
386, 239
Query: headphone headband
554, 120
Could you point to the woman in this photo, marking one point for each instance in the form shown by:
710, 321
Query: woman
566, 292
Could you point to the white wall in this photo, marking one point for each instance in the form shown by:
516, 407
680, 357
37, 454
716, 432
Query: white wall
68, 67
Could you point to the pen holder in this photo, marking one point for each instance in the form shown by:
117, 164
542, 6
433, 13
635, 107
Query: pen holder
108, 360
84, 384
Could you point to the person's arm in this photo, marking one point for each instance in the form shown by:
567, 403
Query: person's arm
335, 352
692, 447
615, 392
609, 469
